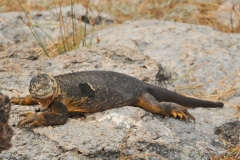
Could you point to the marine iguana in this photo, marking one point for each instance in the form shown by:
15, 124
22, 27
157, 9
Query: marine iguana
94, 91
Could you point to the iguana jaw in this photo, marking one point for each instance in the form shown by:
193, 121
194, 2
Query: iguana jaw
40, 96
42, 87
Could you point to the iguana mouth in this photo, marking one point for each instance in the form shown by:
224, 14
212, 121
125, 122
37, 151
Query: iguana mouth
41, 95
42, 86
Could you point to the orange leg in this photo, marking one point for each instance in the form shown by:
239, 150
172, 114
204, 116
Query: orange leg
148, 102
23, 100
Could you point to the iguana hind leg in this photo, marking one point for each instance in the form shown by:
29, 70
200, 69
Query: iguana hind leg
23, 100
148, 102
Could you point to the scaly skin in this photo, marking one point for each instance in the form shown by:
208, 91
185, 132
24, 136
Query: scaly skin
94, 91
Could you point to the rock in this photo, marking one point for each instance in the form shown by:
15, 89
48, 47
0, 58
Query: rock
228, 14
229, 132
130, 132
93, 16
18, 69
116, 59
197, 56
5, 130
14, 29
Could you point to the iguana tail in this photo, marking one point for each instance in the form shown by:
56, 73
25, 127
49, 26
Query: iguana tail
162, 94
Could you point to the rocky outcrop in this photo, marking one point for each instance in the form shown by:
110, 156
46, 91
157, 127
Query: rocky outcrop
15, 34
5, 130
196, 55
199, 59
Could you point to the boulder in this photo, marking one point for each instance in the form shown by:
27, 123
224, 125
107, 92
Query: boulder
197, 56
15, 34
202, 62
5, 130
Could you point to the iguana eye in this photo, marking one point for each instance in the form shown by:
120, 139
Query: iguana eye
33, 87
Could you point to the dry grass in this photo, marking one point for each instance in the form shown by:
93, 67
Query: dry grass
187, 11
232, 154
66, 41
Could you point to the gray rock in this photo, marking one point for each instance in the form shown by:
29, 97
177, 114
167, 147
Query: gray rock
116, 59
17, 70
229, 132
80, 13
6, 132
129, 131
14, 26
196, 55
227, 13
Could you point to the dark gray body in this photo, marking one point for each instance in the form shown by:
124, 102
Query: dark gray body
94, 91
111, 90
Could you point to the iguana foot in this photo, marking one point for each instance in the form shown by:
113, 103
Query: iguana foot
23, 100
57, 115
30, 118
181, 112
16, 100
149, 103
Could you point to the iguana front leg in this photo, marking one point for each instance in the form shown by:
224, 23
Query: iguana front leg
58, 115
148, 102
23, 100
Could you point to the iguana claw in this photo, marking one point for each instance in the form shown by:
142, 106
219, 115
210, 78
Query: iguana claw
181, 112
30, 118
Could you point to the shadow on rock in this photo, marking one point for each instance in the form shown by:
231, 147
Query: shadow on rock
229, 132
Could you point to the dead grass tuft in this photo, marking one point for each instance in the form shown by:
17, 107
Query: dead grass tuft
187, 11
232, 154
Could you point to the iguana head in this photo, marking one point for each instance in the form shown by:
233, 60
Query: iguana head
42, 86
